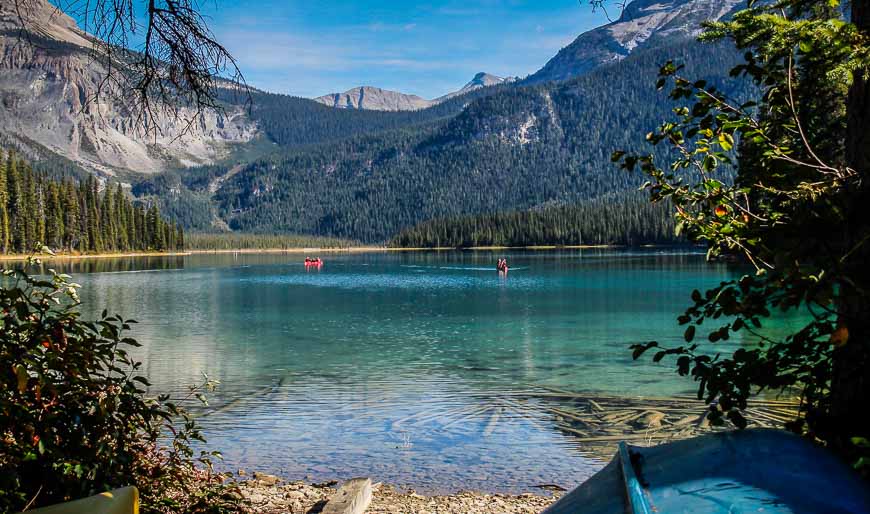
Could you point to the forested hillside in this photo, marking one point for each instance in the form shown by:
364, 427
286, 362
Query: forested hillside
628, 220
517, 149
291, 121
75, 216
292, 165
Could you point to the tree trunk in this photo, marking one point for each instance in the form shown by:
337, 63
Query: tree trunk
858, 106
850, 387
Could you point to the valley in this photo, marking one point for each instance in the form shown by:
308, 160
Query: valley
366, 164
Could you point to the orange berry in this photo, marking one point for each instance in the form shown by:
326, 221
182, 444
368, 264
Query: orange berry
721, 210
840, 336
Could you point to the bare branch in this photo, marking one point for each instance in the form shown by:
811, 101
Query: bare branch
602, 5
175, 69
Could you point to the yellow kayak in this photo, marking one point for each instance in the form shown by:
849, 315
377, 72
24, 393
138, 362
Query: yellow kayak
119, 501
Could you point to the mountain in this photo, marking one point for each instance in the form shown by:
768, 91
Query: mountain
376, 99
512, 148
296, 165
479, 81
48, 79
643, 24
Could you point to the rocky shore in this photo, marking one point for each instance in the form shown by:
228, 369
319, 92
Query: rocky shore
269, 494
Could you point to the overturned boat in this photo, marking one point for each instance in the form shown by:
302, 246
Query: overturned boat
759, 471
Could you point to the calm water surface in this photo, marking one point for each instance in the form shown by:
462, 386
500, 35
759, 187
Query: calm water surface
407, 367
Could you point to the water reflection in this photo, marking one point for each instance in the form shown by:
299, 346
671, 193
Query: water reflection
401, 366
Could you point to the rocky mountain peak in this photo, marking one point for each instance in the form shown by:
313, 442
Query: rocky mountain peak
643, 24
374, 98
481, 79
377, 99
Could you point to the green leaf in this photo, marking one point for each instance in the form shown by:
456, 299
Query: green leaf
689, 334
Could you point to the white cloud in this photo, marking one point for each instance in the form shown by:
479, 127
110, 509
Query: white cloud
423, 50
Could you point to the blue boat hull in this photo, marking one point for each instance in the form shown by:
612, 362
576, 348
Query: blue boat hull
757, 471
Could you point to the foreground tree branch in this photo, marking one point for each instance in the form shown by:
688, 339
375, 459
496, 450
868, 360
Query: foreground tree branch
796, 211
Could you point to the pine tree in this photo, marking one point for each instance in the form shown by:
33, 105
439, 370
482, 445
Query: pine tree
156, 232
121, 210
71, 217
40, 212
4, 207
17, 205
93, 212
29, 214
54, 226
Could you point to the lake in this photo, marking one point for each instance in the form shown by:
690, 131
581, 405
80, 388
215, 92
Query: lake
405, 366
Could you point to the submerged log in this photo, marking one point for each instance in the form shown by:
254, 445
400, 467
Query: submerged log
651, 419
624, 437
598, 421
490, 426
595, 405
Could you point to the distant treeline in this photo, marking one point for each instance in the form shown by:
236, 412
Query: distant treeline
262, 242
68, 215
630, 221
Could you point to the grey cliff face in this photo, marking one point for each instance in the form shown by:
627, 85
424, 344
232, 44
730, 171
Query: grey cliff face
48, 90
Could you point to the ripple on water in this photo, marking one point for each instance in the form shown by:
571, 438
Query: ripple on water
406, 374
434, 441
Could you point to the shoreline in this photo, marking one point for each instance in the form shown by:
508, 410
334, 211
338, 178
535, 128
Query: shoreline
270, 494
387, 249
299, 250
81, 256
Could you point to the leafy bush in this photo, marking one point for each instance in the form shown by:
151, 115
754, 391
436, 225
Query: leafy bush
796, 212
74, 418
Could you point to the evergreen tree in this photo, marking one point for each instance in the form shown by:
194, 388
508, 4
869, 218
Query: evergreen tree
39, 209
93, 209
70, 217
121, 216
4, 207
54, 225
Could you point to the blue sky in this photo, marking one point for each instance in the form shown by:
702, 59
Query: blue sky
309, 48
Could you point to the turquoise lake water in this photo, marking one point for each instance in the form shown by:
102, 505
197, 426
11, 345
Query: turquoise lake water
401, 366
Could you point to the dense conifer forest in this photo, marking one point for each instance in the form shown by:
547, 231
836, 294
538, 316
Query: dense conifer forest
290, 121
232, 241
365, 176
516, 150
70, 215
628, 220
